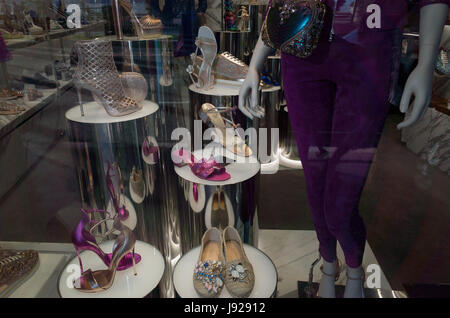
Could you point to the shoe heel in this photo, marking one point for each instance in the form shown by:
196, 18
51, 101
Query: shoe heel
134, 263
79, 260
80, 101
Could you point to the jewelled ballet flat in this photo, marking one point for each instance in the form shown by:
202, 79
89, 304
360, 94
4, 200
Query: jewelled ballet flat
83, 240
208, 272
143, 26
201, 75
226, 133
97, 73
15, 268
207, 169
99, 280
239, 275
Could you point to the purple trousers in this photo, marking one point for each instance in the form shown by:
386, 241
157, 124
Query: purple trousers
337, 104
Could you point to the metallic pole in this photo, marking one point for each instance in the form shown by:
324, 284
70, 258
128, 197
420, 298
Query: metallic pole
117, 19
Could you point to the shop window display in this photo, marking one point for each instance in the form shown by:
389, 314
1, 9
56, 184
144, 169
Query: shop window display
140, 138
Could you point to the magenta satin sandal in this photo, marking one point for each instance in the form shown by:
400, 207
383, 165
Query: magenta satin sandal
207, 169
83, 239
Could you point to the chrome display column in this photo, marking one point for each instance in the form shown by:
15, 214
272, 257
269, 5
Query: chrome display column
99, 140
235, 42
154, 59
196, 213
256, 21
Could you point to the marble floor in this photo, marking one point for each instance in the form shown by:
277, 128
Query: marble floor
293, 252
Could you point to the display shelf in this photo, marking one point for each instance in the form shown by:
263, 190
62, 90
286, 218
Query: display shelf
30, 40
266, 276
9, 122
126, 285
94, 113
219, 89
42, 283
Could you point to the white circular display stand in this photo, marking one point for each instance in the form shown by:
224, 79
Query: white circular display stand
94, 113
271, 89
126, 285
266, 276
208, 211
239, 171
289, 163
220, 88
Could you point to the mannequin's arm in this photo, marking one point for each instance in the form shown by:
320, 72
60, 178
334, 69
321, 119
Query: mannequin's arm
248, 94
419, 84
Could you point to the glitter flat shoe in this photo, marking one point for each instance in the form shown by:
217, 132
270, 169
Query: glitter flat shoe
208, 271
239, 275
15, 268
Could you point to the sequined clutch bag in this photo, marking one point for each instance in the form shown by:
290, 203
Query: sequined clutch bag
294, 26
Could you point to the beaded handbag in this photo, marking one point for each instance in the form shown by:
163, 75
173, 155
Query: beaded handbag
294, 26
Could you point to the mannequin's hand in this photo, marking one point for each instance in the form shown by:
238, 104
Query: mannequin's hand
419, 84
248, 94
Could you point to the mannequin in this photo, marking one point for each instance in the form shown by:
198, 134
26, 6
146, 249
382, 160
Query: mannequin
338, 102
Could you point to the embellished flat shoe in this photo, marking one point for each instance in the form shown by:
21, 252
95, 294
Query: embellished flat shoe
239, 275
15, 268
208, 271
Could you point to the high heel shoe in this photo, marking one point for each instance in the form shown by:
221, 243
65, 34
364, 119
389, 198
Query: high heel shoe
207, 44
207, 169
97, 73
143, 26
225, 132
83, 240
99, 280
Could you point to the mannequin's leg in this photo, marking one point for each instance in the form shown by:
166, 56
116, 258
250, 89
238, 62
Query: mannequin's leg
310, 99
359, 114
